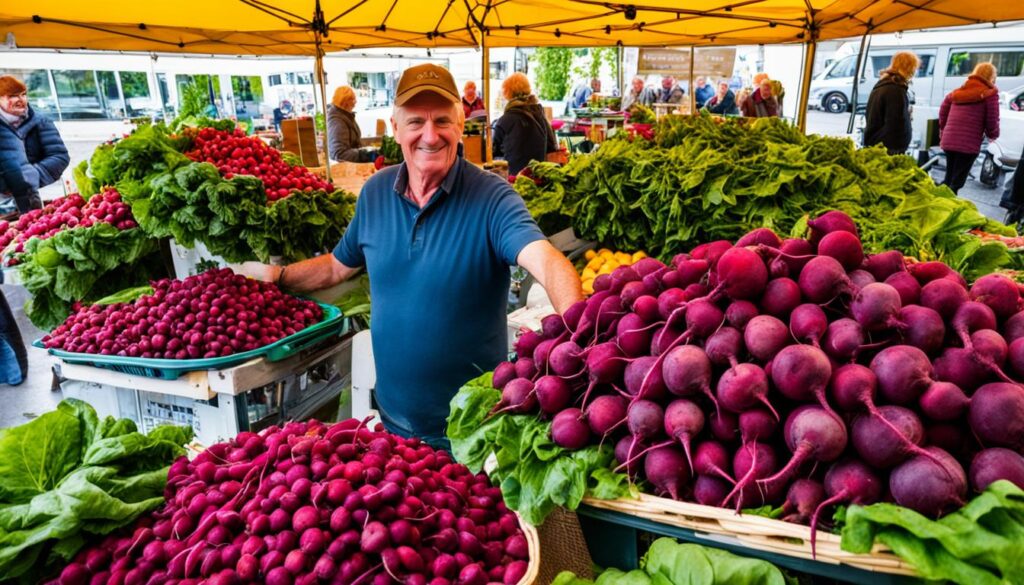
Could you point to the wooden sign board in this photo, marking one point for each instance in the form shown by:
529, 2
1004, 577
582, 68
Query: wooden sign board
716, 63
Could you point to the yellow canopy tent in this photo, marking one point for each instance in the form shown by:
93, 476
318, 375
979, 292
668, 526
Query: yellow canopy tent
312, 27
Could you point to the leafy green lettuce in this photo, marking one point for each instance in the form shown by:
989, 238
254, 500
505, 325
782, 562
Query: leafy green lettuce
69, 474
980, 544
535, 475
668, 562
84, 263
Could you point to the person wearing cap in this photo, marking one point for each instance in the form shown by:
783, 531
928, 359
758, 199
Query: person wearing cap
32, 141
437, 236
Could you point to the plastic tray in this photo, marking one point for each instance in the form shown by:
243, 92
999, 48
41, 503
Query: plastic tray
333, 323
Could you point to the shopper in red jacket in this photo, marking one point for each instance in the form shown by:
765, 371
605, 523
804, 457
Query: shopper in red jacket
966, 115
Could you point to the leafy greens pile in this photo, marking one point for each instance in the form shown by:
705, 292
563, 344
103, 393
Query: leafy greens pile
84, 264
703, 179
67, 476
668, 562
980, 544
171, 196
535, 475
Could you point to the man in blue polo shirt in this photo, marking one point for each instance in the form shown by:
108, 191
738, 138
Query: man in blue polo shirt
437, 236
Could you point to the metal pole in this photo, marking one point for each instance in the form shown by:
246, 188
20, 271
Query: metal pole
485, 83
620, 51
805, 86
318, 65
693, 93
856, 81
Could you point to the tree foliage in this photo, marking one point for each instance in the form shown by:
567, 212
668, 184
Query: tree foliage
553, 64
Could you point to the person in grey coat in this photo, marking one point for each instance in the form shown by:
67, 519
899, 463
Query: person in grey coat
343, 134
32, 142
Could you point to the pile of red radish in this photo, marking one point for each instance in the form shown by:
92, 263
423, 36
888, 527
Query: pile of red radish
314, 503
234, 153
797, 373
65, 213
213, 314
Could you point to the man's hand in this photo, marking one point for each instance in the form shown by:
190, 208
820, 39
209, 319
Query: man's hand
258, 271
554, 272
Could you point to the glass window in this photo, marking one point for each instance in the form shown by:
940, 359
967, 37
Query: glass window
844, 68
304, 78
289, 78
79, 95
1008, 63
499, 69
110, 98
274, 80
165, 96
248, 92
135, 87
40, 96
926, 69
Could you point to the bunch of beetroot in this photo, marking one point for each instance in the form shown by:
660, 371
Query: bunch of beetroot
234, 153
799, 373
312, 503
213, 314
66, 213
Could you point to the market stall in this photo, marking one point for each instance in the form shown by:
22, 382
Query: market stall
285, 502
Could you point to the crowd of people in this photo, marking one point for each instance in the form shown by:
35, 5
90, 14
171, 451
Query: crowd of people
758, 101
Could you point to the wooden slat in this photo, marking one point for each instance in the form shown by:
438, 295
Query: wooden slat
755, 532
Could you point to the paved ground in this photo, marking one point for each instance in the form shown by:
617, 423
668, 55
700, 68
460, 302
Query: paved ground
34, 397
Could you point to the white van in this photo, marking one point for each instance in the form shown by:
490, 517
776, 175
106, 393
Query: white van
947, 58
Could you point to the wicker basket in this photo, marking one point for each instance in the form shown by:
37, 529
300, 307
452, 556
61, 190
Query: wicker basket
756, 532
533, 544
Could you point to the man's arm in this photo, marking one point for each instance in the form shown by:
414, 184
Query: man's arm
554, 272
310, 275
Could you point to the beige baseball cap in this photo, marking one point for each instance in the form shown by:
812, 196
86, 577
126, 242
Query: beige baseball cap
426, 77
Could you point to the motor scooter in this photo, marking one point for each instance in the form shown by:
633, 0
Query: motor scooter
996, 163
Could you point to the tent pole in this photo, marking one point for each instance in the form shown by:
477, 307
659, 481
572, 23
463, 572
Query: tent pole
485, 84
619, 53
318, 64
856, 81
693, 94
805, 86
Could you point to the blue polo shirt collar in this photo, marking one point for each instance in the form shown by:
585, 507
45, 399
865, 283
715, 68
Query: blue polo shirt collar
447, 186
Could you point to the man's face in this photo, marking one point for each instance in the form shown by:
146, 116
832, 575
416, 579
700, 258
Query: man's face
595, 85
701, 82
723, 88
470, 91
15, 105
638, 85
667, 82
429, 129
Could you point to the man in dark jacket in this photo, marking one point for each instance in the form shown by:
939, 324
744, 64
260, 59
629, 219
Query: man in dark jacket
888, 110
31, 141
723, 102
522, 134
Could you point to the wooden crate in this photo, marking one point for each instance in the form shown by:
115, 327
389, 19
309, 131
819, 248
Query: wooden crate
473, 149
298, 136
757, 532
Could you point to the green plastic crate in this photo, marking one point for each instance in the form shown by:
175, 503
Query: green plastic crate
333, 323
